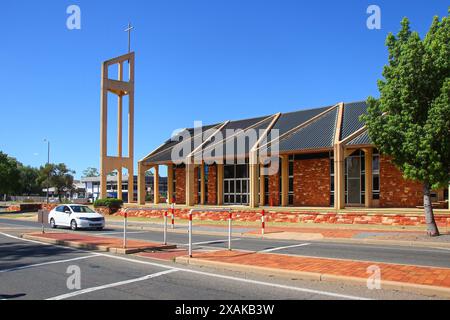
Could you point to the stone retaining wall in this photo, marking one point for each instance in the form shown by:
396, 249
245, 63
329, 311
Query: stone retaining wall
298, 217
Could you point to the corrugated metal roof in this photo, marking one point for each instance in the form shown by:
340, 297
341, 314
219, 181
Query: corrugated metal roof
351, 122
164, 153
361, 139
318, 134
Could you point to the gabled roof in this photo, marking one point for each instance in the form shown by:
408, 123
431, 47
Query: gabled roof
351, 121
319, 134
302, 130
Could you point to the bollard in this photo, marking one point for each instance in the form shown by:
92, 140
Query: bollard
165, 227
263, 223
230, 218
125, 216
190, 234
173, 216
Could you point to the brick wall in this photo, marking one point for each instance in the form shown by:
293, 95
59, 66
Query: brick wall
196, 183
212, 185
395, 191
180, 185
274, 190
312, 183
410, 219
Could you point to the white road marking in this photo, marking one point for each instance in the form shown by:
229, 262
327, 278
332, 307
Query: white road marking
111, 285
48, 263
286, 247
119, 232
213, 275
208, 242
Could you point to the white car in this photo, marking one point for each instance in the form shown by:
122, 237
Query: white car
75, 216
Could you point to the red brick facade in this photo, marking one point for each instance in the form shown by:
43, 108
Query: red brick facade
312, 183
395, 191
274, 190
180, 185
196, 183
212, 185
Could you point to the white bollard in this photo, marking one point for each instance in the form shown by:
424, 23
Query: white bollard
165, 227
230, 218
125, 230
263, 223
173, 215
190, 234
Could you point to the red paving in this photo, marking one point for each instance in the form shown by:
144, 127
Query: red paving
389, 272
163, 255
95, 240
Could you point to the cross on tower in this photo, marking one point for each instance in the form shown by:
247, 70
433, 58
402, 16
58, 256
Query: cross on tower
129, 29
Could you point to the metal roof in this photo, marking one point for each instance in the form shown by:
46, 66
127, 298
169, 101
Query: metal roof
318, 134
361, 139
351, 122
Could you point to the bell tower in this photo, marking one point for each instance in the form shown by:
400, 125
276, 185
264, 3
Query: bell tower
119, 88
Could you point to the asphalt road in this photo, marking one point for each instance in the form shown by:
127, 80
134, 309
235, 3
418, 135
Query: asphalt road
435, 257
33, 270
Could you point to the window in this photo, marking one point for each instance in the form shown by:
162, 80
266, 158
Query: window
376, 176
291, 180
331, 179
82, 209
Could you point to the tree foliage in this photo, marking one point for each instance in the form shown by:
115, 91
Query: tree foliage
9, 175
57, 176
90, 173
411, 120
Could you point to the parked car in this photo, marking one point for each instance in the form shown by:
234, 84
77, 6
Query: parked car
76, 216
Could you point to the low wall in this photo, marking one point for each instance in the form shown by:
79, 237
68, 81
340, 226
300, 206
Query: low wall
31, 207
298, 217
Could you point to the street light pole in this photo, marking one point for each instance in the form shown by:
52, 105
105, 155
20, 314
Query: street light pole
48, 163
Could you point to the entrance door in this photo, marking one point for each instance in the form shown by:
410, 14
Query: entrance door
236, 185
353, 180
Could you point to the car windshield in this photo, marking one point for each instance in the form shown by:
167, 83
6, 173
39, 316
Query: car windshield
82, 209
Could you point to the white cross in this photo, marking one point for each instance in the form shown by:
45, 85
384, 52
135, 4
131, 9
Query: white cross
129, 29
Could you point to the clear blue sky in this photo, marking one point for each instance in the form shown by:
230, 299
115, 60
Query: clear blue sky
206, 60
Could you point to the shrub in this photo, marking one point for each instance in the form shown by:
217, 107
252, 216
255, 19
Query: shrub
109, 203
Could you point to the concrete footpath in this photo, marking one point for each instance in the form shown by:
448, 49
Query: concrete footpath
429, 281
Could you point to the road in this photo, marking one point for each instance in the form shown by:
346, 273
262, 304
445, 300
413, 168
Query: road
434, 257
33, 270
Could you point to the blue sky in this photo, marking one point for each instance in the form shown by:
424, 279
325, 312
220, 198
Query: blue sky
207, 60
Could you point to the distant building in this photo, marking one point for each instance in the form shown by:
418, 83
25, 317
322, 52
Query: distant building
92, 187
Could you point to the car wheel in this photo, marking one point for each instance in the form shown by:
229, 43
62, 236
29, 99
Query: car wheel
52, 223
73, 225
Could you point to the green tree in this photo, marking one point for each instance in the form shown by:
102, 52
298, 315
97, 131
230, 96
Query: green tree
9, 175
410, 122
56, 176
91, 172
29, 180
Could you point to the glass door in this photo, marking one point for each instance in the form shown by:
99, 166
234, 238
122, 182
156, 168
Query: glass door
353, 169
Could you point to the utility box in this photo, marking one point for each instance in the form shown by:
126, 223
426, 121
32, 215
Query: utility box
43, 216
